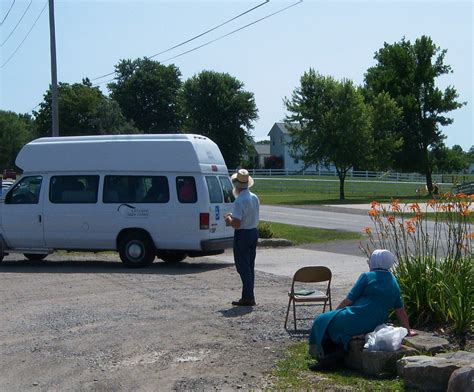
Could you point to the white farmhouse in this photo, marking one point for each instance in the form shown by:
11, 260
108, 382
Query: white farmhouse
280, 139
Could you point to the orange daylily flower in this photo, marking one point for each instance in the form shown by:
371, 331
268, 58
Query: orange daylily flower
374, 204
368, 230
391, 218
373, 212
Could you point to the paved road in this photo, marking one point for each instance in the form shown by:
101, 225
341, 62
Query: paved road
345, 219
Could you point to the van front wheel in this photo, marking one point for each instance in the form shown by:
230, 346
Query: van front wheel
136, 250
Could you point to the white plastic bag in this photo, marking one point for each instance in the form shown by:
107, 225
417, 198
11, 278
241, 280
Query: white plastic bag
385, 338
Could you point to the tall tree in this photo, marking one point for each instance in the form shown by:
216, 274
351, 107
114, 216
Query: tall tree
147, 93
14, 133
408, 72
83, 110
216, 105
329, 123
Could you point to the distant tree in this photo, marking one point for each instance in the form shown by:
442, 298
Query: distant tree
448, 160
264, 142
147, 93
83, 110
216, 105
14, 133
470, 155
333, 124
407, 72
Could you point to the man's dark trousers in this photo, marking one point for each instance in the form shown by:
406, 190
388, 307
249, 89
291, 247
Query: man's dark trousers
245, 248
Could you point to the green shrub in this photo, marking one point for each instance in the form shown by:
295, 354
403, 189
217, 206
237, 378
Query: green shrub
264, 230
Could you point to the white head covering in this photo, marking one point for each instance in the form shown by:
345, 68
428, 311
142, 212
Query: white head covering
381, 259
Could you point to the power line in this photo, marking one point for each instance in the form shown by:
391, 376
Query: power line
232, 32
193, 38
22, 16
214, 40
208, 31
8, 12
26, 36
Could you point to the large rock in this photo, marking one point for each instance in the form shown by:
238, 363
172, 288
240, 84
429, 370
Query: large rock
384, 363
432, 373
374, 363
462, 380
427, 343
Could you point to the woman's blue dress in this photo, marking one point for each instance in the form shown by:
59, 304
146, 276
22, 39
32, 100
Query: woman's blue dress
372, 296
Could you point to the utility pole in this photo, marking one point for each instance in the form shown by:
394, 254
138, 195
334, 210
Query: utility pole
54, 73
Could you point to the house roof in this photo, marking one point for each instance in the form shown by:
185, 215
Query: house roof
282, 127
262, 149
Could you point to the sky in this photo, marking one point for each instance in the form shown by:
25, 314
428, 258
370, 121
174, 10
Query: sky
336, 38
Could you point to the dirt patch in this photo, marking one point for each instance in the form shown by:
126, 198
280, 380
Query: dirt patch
85, 322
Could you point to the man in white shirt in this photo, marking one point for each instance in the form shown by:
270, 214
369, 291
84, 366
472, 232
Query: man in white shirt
244, 219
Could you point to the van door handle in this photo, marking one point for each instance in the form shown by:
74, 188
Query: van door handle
39, 218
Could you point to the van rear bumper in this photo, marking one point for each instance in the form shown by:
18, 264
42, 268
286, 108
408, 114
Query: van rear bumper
217, 244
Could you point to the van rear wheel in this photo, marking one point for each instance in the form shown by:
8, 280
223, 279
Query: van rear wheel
136, 250
171, 256
34, 256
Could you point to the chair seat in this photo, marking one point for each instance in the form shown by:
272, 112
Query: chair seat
317, 296
309, 275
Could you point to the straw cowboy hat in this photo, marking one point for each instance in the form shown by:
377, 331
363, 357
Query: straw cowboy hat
242, 179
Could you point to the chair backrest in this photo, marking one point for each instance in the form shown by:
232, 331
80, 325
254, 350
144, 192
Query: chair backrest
312, 274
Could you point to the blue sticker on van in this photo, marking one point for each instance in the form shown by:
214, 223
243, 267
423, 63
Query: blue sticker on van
218, 213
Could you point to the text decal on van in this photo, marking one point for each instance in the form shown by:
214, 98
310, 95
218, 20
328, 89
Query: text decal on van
132, 212
218, 213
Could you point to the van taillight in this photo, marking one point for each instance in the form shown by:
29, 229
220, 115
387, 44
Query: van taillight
204, 220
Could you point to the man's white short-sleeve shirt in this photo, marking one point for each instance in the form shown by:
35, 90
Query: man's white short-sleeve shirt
246, 209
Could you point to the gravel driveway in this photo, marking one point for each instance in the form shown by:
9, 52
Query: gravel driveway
86, 323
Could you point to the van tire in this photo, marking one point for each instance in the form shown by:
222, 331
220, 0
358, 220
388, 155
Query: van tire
34, 256
171, 256
136, 250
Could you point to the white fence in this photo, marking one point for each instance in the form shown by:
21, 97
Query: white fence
447, 179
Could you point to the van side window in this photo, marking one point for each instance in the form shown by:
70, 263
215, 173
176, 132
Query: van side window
186, 188
214, 188
227, 189
27, 191
73, 189
136, 189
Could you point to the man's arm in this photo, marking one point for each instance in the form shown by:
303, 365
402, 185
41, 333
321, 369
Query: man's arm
231, 221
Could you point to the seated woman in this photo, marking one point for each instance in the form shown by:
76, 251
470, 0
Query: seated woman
367, 305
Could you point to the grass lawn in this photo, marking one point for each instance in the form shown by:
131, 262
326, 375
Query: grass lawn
307, 235
292, 373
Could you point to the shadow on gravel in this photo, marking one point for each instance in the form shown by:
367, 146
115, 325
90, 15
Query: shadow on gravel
109, 267
236, 311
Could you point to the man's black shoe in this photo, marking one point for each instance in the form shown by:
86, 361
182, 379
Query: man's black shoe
244, 302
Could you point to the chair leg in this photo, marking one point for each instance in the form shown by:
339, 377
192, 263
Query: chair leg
287, 312
294, 313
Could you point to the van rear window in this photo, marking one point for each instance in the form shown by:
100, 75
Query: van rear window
73, 189
214, 188
227, 189
136, 189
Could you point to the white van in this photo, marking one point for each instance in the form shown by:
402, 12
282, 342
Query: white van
143, 195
